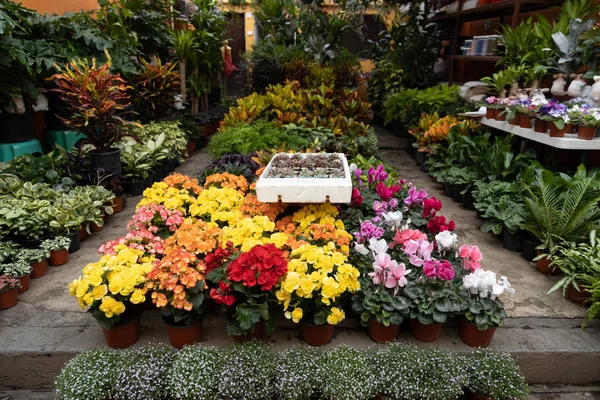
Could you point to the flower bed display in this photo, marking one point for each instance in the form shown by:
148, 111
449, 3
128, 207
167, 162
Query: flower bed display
305, 178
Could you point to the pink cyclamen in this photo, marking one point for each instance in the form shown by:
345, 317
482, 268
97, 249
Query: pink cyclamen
471, 257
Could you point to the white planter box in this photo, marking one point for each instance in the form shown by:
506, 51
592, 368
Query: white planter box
305, 190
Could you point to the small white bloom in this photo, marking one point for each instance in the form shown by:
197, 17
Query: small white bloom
446, 240
393, 218
353, 167
361, 249
378, 246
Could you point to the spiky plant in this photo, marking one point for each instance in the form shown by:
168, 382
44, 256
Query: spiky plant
156, 86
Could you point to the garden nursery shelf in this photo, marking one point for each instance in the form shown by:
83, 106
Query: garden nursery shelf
568, 142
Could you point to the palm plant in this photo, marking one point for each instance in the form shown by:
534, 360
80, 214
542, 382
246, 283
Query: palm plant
562, 206
185, 45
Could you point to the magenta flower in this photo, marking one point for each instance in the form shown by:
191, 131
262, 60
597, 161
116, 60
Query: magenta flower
429, 269
445, 271
358, 174
393, 203
471, 257
367, 231
380, 207
377, 174
418, 251
386, 193
415, 197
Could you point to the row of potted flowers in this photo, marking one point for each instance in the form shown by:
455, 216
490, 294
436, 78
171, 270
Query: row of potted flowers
554, 116
188, 243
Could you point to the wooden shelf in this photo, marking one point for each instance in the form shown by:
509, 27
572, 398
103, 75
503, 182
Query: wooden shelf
494, 10
476, 58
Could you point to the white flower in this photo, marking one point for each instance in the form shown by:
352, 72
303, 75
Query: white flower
446, 240
502, 286
378, 246
353, 167
361, 249
393, 218
484, 284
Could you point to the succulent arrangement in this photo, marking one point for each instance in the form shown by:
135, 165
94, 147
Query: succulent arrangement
306, 166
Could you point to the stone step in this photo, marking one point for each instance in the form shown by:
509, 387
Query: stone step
549, 350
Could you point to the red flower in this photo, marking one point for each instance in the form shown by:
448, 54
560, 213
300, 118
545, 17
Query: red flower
438, 224
386, 193
357, 199
263, 265
431, 206
216, 259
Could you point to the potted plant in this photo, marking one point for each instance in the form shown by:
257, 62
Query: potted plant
64, 221
525, 109
23, 226
587, 120
485, 311
177, 284
58, 247
20, 270
112, 290
495, 375
137, 165
311, 290
245, 284
155, 88
9, 287
556, 114
578, 262
95, 96
38, 258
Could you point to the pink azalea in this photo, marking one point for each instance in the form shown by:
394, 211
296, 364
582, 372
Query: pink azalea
471, 257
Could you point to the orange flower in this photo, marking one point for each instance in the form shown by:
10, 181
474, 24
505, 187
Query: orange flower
252, 207
180, 181
227, 180
195, 236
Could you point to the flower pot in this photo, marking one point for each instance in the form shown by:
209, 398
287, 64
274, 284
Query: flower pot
458, 197
83, 233
540, 126
472, 336
8, 298
529, 252
94, 227
75, 242
58, 257
109, 161
171, 165
501, 116
515, 121
425, 333
38, 269
576, 296
490, 113
543, 265
124, 335
434, 179
586, 132
468, 201
316, 335
513, 241
183, 335
117, 204
479, 396
380, 333
569, 128
420, 158
525, 121
134, 188
30, 243
149, 181
497, 113
448, 189
257, 334
555, 132
25, 280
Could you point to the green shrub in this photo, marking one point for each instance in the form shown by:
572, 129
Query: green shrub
89, 376
195, 373
346, 374
396, 371
175, 137
496, 375
297, 374
442, 374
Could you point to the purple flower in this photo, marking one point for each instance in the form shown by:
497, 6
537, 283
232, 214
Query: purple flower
358, 173
380, 207
415, 197
393, 203
377, 174
368, 231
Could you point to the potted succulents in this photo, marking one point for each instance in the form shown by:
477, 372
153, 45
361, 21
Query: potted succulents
112, 290
246, 285
177, 286
310, 291
58, 247
38, 258
495, 375
9, 287
20, 270
95, 97
485, 311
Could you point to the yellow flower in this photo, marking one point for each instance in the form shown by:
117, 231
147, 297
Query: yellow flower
107, 306
284, 297
295, 316
336, 316
330, 289
138, 296
291, 282
99, 292
118, 308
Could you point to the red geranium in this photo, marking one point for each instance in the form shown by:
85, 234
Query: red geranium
263, 265
216, 259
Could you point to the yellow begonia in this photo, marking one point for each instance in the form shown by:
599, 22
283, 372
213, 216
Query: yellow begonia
249, 232
295, 316
172, 198
218, 205
337, 315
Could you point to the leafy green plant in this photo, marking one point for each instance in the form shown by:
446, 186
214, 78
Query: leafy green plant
347, 374
396, 369
508, 212
17, 221
495, 375
33, 255
408, 105
156, 87
297, 375
56, 243
49, 168
498, 82
15, 269
195, 373
435, 301
174, 138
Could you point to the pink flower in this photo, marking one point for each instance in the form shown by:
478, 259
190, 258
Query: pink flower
418, 251
429, 269
415, 197
377, 174
471, 257
388, 272
386, 193
402, 237
380, 207
445, 271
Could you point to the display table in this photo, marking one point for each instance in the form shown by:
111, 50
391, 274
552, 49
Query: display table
568, 142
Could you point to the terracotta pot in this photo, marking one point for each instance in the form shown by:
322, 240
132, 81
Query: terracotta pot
540, 126
586, 132
257, 334
180, 336
501, 115
525, 121
425, 333
543, 265
94, 227
38, 269
117, 204
490, 113
481, 3
58, 257
479, 396
123, 336
316, 335
555, 132
8, 298
472, 336
25, 280
380, 333
515, 120
497, 113
83, 233
576, 296
569, 128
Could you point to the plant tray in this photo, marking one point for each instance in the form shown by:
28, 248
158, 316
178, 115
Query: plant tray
304, 188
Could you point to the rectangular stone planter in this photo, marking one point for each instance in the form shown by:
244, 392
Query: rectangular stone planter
305, 190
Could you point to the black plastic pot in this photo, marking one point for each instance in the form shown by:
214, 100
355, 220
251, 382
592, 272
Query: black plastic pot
448, 189
149, 181
75, 242
458, 197
110, 161
412, 152
397, 127
30, 243
513, 241
480, 215
134, 188
468, 201
420, 158
171, 165
16, 128
529, 252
